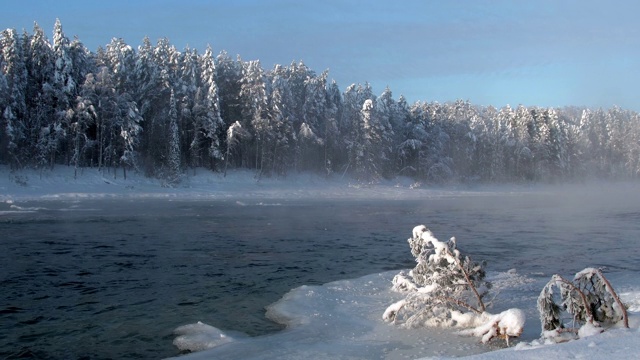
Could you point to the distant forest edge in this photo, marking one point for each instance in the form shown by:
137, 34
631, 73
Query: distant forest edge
163, 112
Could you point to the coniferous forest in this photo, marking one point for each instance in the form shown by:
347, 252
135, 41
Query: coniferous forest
165, 112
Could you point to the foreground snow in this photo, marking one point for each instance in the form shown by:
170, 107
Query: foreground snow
341, 320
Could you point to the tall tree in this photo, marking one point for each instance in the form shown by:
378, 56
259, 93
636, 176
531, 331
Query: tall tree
120, 58
254, 109
312, 129
333, 149
64, 92
14, 111
40, 98
228, 79
85, 116
208, 124
383, 132
412, 149
173, 153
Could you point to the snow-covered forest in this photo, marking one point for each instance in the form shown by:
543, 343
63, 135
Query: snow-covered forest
163, 112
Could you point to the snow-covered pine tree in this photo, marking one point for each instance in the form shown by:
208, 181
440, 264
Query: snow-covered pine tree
149, 94
296, 76
447, 289
391, 120
350, 132
14, 112
187, 85
524, 128
254, 110
284, 142
448, 276
228, 80
372, 136
99, 91
235, 133
333, 148
173, 155
130, 130
118, 128
411, 148
121, 60
312, 130
40, 68
84, 118
369, 169
211, 125
4, 100
64, 89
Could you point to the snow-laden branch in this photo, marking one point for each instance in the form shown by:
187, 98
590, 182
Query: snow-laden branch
589, 300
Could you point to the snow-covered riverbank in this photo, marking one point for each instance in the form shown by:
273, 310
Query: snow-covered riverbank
60, 183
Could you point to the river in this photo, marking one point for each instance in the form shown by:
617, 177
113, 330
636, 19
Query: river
112, 278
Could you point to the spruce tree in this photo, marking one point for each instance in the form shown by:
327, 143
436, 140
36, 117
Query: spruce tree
173, 156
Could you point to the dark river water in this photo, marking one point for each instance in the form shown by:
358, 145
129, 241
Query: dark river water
96, 279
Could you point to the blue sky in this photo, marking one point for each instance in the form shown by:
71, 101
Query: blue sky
543, 52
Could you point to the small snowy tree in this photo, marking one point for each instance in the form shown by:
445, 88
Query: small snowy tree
586, 303
448, 289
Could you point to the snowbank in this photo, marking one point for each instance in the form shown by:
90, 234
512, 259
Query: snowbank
338, 320
341, 320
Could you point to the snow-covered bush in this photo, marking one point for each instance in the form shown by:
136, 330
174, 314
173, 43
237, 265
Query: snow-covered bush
448, 289
580, 307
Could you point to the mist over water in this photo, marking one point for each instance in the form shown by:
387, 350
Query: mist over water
113, 278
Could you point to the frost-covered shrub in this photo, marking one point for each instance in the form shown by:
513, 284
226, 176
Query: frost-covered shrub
443, 273
580, 307
446, 288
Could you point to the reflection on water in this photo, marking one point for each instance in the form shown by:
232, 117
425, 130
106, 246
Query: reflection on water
104, 279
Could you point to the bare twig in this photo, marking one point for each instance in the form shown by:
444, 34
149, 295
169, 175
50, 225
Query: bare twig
473, 288
460, 303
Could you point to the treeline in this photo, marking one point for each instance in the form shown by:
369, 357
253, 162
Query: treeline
163, 112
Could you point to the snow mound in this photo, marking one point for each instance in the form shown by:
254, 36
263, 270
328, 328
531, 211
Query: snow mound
199, 336
509, 323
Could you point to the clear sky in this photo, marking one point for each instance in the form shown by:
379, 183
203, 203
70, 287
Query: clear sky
530, 52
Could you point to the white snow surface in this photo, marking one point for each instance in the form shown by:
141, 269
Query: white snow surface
338, 320
341, 320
